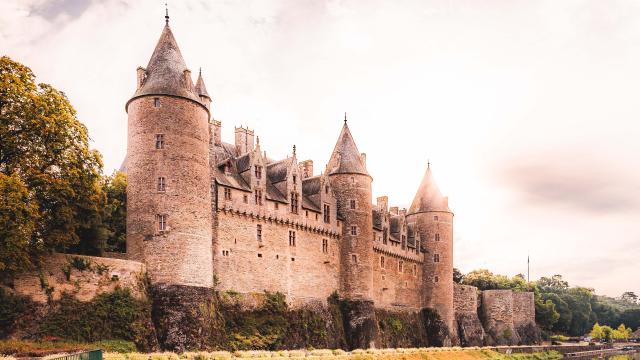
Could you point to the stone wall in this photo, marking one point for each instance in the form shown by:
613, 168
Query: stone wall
469, 327
396, 287
465, 299
304, 272
524, 309
82, 276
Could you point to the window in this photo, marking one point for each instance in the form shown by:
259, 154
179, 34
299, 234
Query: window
258, 196
385, 234
415, 269
162, 222
326, 189
294, 179
227, 194
156, 102
245, 198
354, 230
435, 218
352, 204
225, 252
382, 262
353, 180
292, 238
327, 216
259, 255
306, 213
276, 206
316, 217
259, 232
436, 279
325, 246
437, 237
354, 258
258, 171
294, 203
159, 141
400, 266
436, 258
161, 184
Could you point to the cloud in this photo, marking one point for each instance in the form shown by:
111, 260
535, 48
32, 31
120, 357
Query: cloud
51, 10
571, 180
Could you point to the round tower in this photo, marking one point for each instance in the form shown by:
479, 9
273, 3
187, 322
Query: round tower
168, 191
352, 186
434, 227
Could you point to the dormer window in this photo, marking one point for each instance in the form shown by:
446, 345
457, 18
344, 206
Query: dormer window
294, 202
327, 216
227, 194
258, 171
258, 196
227, 168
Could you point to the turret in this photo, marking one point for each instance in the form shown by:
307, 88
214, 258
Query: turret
168, 192
352, 184
202, 92
433, 221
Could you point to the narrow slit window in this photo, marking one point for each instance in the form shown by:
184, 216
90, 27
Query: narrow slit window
259, 232
292, 238
354, 258
327, 216
382, 262
156, 102
159, 141
161, 184
325, 246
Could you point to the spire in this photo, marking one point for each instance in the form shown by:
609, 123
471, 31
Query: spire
166, 13
167, 73
346, 158
294, 150
345, 117
429, 197
201, 89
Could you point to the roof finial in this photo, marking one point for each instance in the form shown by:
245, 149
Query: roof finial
294, 150
166, 13
428, 164
345, 117
200, 71
257, 140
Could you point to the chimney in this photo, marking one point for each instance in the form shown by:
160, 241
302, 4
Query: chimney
393, 210
382, 202
244, 140
306, 168
216, 129
141, 74
403, 212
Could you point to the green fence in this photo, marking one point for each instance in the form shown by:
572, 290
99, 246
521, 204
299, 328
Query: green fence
86, 355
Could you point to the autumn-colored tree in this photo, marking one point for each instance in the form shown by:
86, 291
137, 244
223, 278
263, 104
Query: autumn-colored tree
46, 147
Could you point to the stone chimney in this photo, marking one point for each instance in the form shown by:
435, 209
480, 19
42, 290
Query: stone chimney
244, 140
141, 73
393, 210
216, 130
382, 202
306, 168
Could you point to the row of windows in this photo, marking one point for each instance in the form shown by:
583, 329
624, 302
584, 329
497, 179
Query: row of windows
400, 266
292, 238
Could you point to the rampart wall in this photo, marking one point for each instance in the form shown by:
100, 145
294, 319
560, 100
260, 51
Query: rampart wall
397, 282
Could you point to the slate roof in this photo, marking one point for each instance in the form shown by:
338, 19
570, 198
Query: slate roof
377, 219
201, 89
277, 171
346, 158
243, 163
428, 197
165, 71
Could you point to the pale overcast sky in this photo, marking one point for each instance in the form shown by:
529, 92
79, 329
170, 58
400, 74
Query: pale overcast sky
528, 110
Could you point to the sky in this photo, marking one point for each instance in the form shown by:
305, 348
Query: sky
527, 110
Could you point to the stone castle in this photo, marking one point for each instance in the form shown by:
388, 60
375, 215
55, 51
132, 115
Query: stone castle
202, 212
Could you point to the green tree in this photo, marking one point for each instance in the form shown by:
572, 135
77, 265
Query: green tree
629, 297
546, 314
45, 145
457, 276
596, 331
115, 211
18, 216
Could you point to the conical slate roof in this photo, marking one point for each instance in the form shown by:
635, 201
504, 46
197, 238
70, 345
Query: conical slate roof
201, 89
346, 158
165, 71
428, 197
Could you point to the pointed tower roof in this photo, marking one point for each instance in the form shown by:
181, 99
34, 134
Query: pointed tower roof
165, 73
201, 89
346, 158
429, 197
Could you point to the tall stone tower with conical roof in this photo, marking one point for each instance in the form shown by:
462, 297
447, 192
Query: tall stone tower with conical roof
351, 182
433, 220
168, 191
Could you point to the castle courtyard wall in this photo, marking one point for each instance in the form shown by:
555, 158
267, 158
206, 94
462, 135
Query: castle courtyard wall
524, 309
396, 289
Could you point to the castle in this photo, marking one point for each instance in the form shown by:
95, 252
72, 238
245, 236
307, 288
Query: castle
202, 212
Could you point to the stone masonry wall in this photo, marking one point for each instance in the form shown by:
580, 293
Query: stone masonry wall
524, 309
465, 299
304, 272
395, 288
497, 317
60, 275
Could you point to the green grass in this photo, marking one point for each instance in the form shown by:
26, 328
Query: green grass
20, 348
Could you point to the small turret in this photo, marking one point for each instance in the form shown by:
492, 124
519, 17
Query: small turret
202, 92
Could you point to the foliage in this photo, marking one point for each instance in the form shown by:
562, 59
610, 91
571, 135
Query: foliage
115, 211
607, 333
114, 315
18, 217
47, 148
11, 308
23, 348
458, 276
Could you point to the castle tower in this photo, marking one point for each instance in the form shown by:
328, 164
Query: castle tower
434, 225
168, 191
352, 185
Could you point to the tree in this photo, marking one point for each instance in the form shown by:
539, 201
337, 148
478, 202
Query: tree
553, 284
47, 148
457, 276
115, 211
546, 314
18, 216
629, 297
596, 332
